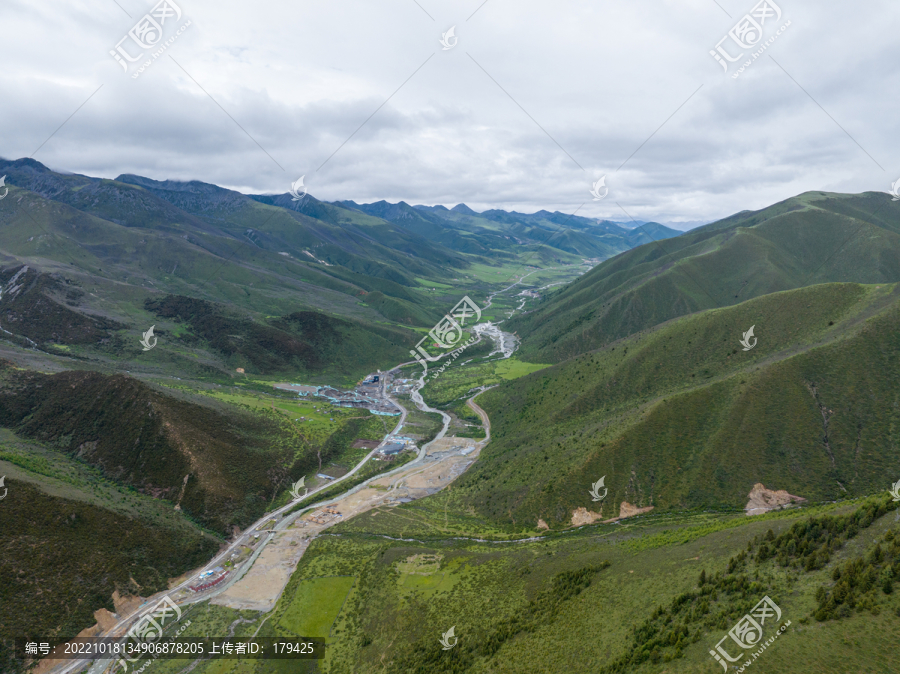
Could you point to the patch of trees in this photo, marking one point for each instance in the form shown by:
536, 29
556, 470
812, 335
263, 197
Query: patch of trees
860, 582
722, 598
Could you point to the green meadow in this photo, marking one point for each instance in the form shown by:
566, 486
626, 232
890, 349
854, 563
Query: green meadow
315, 606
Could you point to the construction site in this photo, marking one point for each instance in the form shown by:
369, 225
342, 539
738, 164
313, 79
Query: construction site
323, 516
261, 586
443, 461
367, 395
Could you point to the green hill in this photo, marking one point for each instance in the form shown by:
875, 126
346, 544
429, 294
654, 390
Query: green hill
812, 238
215, 465
303, 344
64, 557
86, 263
681, 417
226, 246
208, 340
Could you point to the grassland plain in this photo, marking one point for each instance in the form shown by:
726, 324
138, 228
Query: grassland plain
679, 417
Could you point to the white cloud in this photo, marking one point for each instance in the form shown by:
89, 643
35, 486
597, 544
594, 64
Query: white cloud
599, 78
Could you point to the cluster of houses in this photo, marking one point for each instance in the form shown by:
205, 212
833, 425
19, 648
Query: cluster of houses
365, 396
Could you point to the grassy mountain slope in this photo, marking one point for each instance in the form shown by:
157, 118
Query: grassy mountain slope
64, 558
229, 247
649, 595
135, 201
218, 468
51, 312
435, 228
681, 417
119, 260
650, 389
789, 245
37, 309
305, 343
99, 253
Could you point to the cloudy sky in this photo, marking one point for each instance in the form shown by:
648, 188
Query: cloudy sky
534, 102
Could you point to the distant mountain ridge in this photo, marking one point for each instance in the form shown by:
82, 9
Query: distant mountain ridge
502, 229
102, 253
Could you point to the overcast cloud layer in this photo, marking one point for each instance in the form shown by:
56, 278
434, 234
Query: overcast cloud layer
536, 101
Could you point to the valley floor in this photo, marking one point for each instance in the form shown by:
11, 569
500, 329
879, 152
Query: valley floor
441, 462
276, 543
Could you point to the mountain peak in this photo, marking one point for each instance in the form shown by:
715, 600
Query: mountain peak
438, 207
462, 208
25, 162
